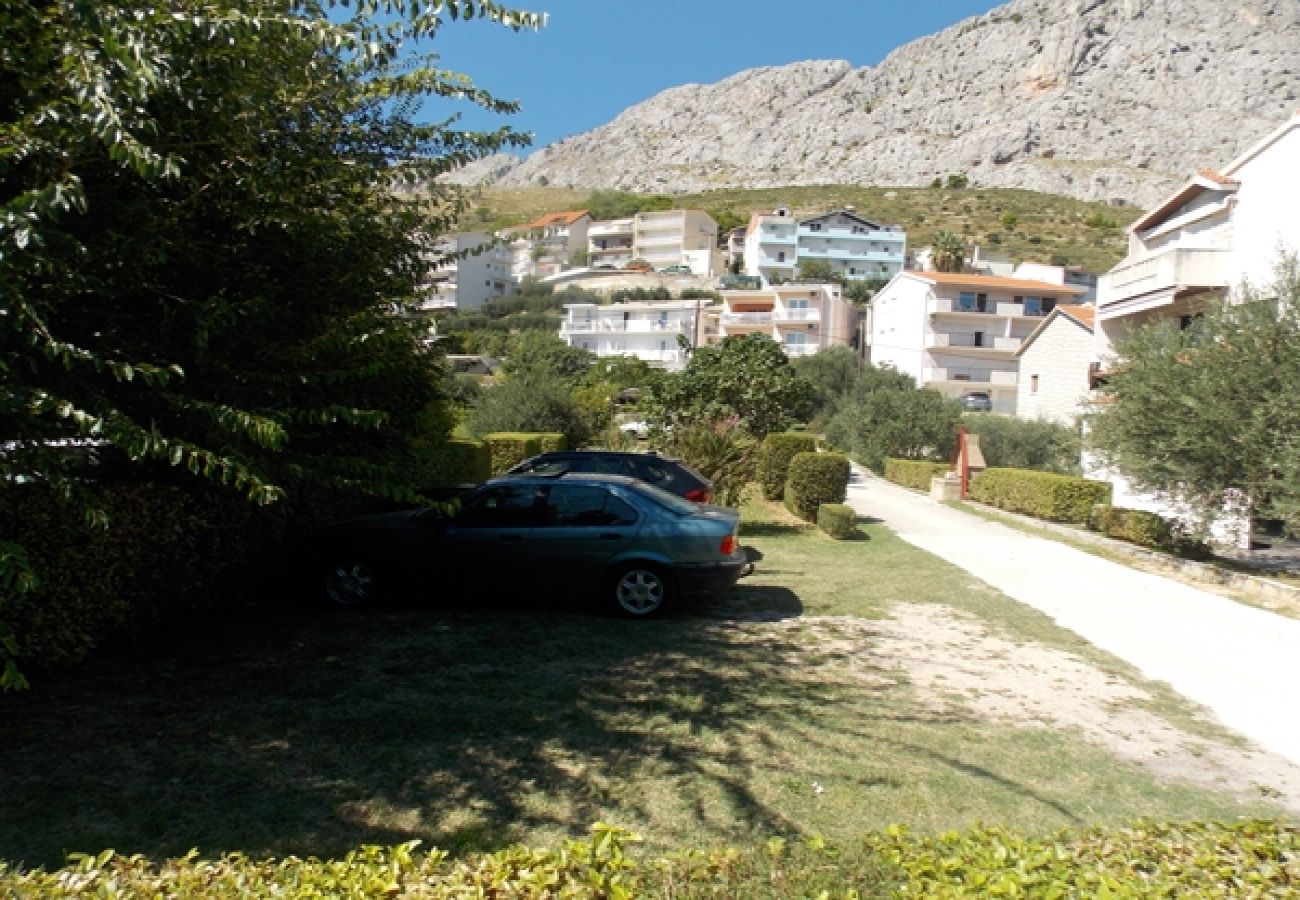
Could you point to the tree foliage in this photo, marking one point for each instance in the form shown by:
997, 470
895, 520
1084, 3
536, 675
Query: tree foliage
880, 420
746, 378
206, 222
1011, 443
1211, 413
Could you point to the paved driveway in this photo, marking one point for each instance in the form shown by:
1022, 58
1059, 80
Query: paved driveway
1242, 663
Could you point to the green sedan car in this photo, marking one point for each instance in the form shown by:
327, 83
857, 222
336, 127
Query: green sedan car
637, 547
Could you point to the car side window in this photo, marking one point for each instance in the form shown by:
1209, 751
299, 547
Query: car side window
503, 506
605, 465
570, 505
652, 472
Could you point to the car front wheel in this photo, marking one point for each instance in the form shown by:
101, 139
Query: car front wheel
640, 591
349, 581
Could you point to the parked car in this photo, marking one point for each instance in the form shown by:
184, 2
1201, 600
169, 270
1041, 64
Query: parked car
662, 471
977, 401
676, 270
636, 546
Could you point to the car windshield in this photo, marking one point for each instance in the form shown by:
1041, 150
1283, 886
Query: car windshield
671, 502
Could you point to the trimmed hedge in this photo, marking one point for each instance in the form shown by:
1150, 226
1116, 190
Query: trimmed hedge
509, 448
1136, 526
814, 479
553, 441
1145, 859
1057, 498
914, 473
837, 520
461, 462
774, 457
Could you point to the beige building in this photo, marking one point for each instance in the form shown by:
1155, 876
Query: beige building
1054, 366
802, 318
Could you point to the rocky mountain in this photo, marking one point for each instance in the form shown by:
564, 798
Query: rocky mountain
1099, 99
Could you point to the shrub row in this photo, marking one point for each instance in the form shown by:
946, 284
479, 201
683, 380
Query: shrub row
1147, 859
1057, 498
837, 520
1146, 529
461, 461
774, 459
913, 473
814, 479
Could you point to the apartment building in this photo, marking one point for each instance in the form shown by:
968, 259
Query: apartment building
549, 244
675, 237
851, 245
648, 331
610, 243
958, 333
802, 317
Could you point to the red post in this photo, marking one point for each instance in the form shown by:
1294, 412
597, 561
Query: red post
963, 460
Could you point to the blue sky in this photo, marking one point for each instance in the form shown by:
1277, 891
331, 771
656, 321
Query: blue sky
595, 58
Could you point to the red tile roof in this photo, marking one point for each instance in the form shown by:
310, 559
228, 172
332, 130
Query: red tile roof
1214, 176
965, 279
1084, 314
559, 218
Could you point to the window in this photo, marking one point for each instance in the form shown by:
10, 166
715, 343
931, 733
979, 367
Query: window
575, 505
965, 302
1033, 306
816, 226
506, 506
1033, 384
780, 256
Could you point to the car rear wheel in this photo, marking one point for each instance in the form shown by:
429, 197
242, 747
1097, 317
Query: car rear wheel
640, 591
350, 581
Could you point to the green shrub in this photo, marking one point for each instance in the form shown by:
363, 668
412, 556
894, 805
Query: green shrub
460, 462
720, 452
1010, 443
1044, 495
506, 448
914, 473
837, 520
552, 441
814, 479
1136, 526
774, 459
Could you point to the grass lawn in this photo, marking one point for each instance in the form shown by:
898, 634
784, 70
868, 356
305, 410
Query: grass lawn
767, 712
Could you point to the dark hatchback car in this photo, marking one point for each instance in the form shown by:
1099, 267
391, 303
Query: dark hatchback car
635, 546
661, 471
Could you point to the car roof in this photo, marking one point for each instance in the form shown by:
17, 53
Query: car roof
602, 477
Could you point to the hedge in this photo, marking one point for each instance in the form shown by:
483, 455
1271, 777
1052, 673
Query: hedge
508, 448
461, 462
837, 520
814, 479
1136, 526
774, 457
552, 441
913, 473
1145, 859
1044, 495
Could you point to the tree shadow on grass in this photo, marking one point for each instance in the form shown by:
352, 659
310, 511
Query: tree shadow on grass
283, 730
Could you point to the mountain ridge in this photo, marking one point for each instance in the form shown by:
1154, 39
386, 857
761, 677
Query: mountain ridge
1115, 100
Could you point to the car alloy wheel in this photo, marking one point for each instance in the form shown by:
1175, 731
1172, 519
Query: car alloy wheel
350, 582
640, 591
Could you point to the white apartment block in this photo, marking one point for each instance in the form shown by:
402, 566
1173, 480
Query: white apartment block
549, 244
610, 243
648, 331
1054, 366
1221, 229
959, 333
802, 318
853, 246
677, 237
474, 268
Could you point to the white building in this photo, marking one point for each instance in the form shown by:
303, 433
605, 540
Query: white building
959, 333
549, 244
609, 243
1220, 230
802, 318
1054, 366
675, 237
648, 331
473, 269
852, 246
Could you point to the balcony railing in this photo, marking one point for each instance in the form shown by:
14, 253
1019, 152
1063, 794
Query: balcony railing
800, 349
991, 308
630, 327
970, 341
1171, 269
772, 236
972, 376
747, 318
797, 315
844, 232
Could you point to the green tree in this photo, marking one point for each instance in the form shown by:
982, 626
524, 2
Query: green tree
887, 421
1210, 414
537, 403
536, 354
831, 373
202, 238
950, 251
745, 378
820, 270
1010, 443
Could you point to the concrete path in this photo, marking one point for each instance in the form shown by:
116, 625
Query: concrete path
1242, 663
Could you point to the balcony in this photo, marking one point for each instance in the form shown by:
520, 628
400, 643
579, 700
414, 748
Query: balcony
846, 232
971, 377
784, 316
776, 236
1172, 271
747, 318
955, 307
600, 326
793, 350
989, 342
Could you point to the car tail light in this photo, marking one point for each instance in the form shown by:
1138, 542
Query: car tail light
728, 545
699, 495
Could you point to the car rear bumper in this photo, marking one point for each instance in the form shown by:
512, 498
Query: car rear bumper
695, 579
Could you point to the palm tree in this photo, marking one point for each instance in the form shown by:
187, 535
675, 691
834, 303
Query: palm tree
948, 251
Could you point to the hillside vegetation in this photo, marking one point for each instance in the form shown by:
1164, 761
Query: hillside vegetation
1026, 225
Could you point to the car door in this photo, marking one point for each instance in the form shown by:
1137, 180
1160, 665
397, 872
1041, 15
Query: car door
583, 527
487, 541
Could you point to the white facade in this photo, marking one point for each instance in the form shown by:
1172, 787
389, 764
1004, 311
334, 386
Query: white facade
851, 245
474, 269
549, 244
802, 318
677, 237
1054, 366
648, 331
609, 243
1221, 229
959, 333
